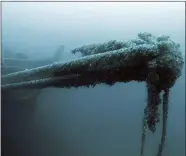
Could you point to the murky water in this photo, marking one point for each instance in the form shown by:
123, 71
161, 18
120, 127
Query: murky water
100, 121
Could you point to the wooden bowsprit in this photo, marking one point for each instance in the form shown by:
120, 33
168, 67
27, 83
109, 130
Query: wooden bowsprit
155, 60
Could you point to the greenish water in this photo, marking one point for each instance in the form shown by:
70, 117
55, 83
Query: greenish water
100, 121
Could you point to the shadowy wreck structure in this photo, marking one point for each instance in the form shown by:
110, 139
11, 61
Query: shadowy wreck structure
156, 60
18, 62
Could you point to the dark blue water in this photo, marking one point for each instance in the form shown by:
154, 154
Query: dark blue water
100, 121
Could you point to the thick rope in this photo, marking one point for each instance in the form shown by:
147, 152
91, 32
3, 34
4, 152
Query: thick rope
165, 116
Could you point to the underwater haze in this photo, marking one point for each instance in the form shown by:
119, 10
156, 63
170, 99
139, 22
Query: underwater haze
99, 121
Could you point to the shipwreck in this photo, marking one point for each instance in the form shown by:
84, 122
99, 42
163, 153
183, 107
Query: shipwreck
156, 60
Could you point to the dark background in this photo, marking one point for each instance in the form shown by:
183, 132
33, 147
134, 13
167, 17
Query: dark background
89, 121
100, 121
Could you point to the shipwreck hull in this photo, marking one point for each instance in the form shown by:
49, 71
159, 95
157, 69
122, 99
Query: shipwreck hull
157, 61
